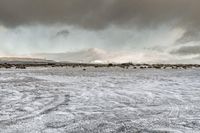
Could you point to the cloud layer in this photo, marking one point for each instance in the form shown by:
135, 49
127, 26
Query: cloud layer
187, 50
108, 24
97, 14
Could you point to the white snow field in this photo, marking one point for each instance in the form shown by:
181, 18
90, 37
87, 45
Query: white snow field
99, 100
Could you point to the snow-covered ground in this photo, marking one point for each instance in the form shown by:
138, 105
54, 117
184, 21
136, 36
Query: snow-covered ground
99, 100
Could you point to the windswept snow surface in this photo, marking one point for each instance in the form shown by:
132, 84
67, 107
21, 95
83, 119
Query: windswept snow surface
99, 100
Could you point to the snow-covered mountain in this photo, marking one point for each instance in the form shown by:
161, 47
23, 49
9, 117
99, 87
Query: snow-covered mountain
83, 56
95, 55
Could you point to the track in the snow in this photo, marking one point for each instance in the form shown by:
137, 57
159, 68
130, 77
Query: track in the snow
99, 100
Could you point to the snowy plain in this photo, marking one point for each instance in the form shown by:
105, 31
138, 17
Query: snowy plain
99, 100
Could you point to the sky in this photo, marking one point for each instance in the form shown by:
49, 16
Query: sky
166, 30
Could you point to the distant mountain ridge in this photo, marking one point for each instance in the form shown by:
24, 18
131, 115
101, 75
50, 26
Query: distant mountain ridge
23, 60
83, 56
95, 55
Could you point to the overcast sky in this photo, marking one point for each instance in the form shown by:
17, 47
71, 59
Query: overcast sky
52, 26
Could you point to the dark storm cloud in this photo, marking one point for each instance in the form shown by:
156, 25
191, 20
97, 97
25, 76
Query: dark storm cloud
188, 36
187, 50
62, 33
98, 14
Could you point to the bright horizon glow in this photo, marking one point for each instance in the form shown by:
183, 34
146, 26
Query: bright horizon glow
26, 41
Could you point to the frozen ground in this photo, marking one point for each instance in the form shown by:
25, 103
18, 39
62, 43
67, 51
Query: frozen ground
66, 100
